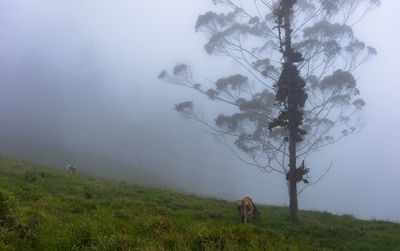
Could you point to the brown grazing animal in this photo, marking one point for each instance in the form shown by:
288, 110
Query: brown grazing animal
246, 207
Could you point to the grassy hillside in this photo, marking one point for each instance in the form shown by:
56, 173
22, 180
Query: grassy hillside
43, 208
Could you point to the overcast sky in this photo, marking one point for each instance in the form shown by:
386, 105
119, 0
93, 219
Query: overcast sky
79, 84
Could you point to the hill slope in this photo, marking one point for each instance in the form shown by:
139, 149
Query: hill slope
43, 208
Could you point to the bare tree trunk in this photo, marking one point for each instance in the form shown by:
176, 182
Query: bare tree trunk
293, 206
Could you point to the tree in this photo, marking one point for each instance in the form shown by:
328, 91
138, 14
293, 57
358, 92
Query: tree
296, 93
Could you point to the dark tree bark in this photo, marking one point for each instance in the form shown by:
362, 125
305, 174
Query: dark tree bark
291, 93
293, 206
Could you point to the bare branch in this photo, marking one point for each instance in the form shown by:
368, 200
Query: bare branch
315, 182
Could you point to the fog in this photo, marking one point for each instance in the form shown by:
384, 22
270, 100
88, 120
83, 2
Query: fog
79, 85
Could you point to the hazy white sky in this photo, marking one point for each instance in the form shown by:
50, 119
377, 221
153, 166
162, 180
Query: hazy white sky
134, 40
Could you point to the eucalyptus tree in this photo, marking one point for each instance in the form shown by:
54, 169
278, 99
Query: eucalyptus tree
295, 93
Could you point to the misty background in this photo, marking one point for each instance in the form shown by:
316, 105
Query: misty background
78, 84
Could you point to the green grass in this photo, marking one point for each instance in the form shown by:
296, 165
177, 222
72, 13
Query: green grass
48, 209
